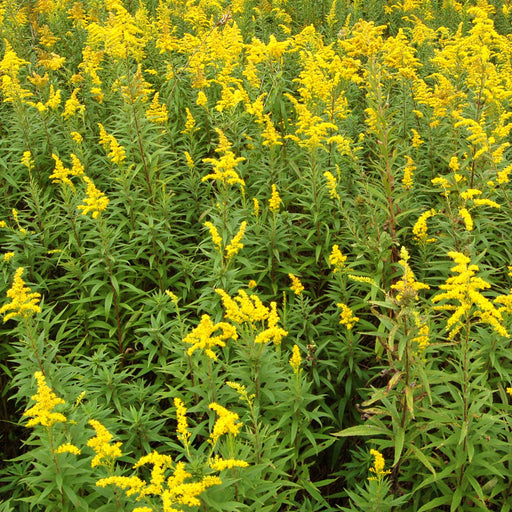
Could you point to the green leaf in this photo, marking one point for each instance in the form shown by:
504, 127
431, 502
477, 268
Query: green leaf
361, 430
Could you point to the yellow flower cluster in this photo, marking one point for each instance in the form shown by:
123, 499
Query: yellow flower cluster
332, 185
202, 337
407, 287
464, 289
117, 153
219, 464
95, 202
275, 200
337, 259
106, 453
182, 428
347, 317
157, 112
226, 423
420, 228
235, 244
224, 167
61, 174
296, 286
23, 301
296, 359
245, 309
46, 400
378, 466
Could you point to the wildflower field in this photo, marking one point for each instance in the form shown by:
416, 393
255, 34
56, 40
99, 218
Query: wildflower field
256, 255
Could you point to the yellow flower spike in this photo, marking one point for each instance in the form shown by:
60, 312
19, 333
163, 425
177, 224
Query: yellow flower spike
409, 169
256, 210
202, 337
157, 113
216, 238
68, 448
100, 443
219, 464
23, 301
42, 413
27, 160
61, 173
509, 391
275, 200
332, 185
420, 228
347, 317
466, 217
226, 423
182, 428
337, 259
235, 245
73, 105
95, 202
464, 290
407, 287
378, 466
296, 286
296, 359
8, 256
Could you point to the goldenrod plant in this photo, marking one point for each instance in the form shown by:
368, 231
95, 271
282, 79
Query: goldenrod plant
255, 255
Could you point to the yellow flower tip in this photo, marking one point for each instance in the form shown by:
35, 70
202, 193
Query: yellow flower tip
23, 301
509, 391
172, 296
68, 448
275, 200
8, 256
100, 443
46, 400
296, 359
95, 201
252, 284
347, 317
296, 286
378, 466
337, 259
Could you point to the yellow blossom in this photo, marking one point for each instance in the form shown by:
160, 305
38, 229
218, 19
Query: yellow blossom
252, 284
296, 359
72, 105
226, 423
68, 448
332, 185
466, 217
95, 202
256, 206
8, 256
275, 200
420, 228
409, 169
296, 286
219, 464
27, 160
416, 139
100, 443
337, 259
462, 293
182, 428
347, 317
407, 287
77, 137
216, 238
42, 412
157, 113
235, 244
378, 466
23, 301
202, 337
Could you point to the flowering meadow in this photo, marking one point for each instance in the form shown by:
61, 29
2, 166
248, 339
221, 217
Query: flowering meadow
256, 255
